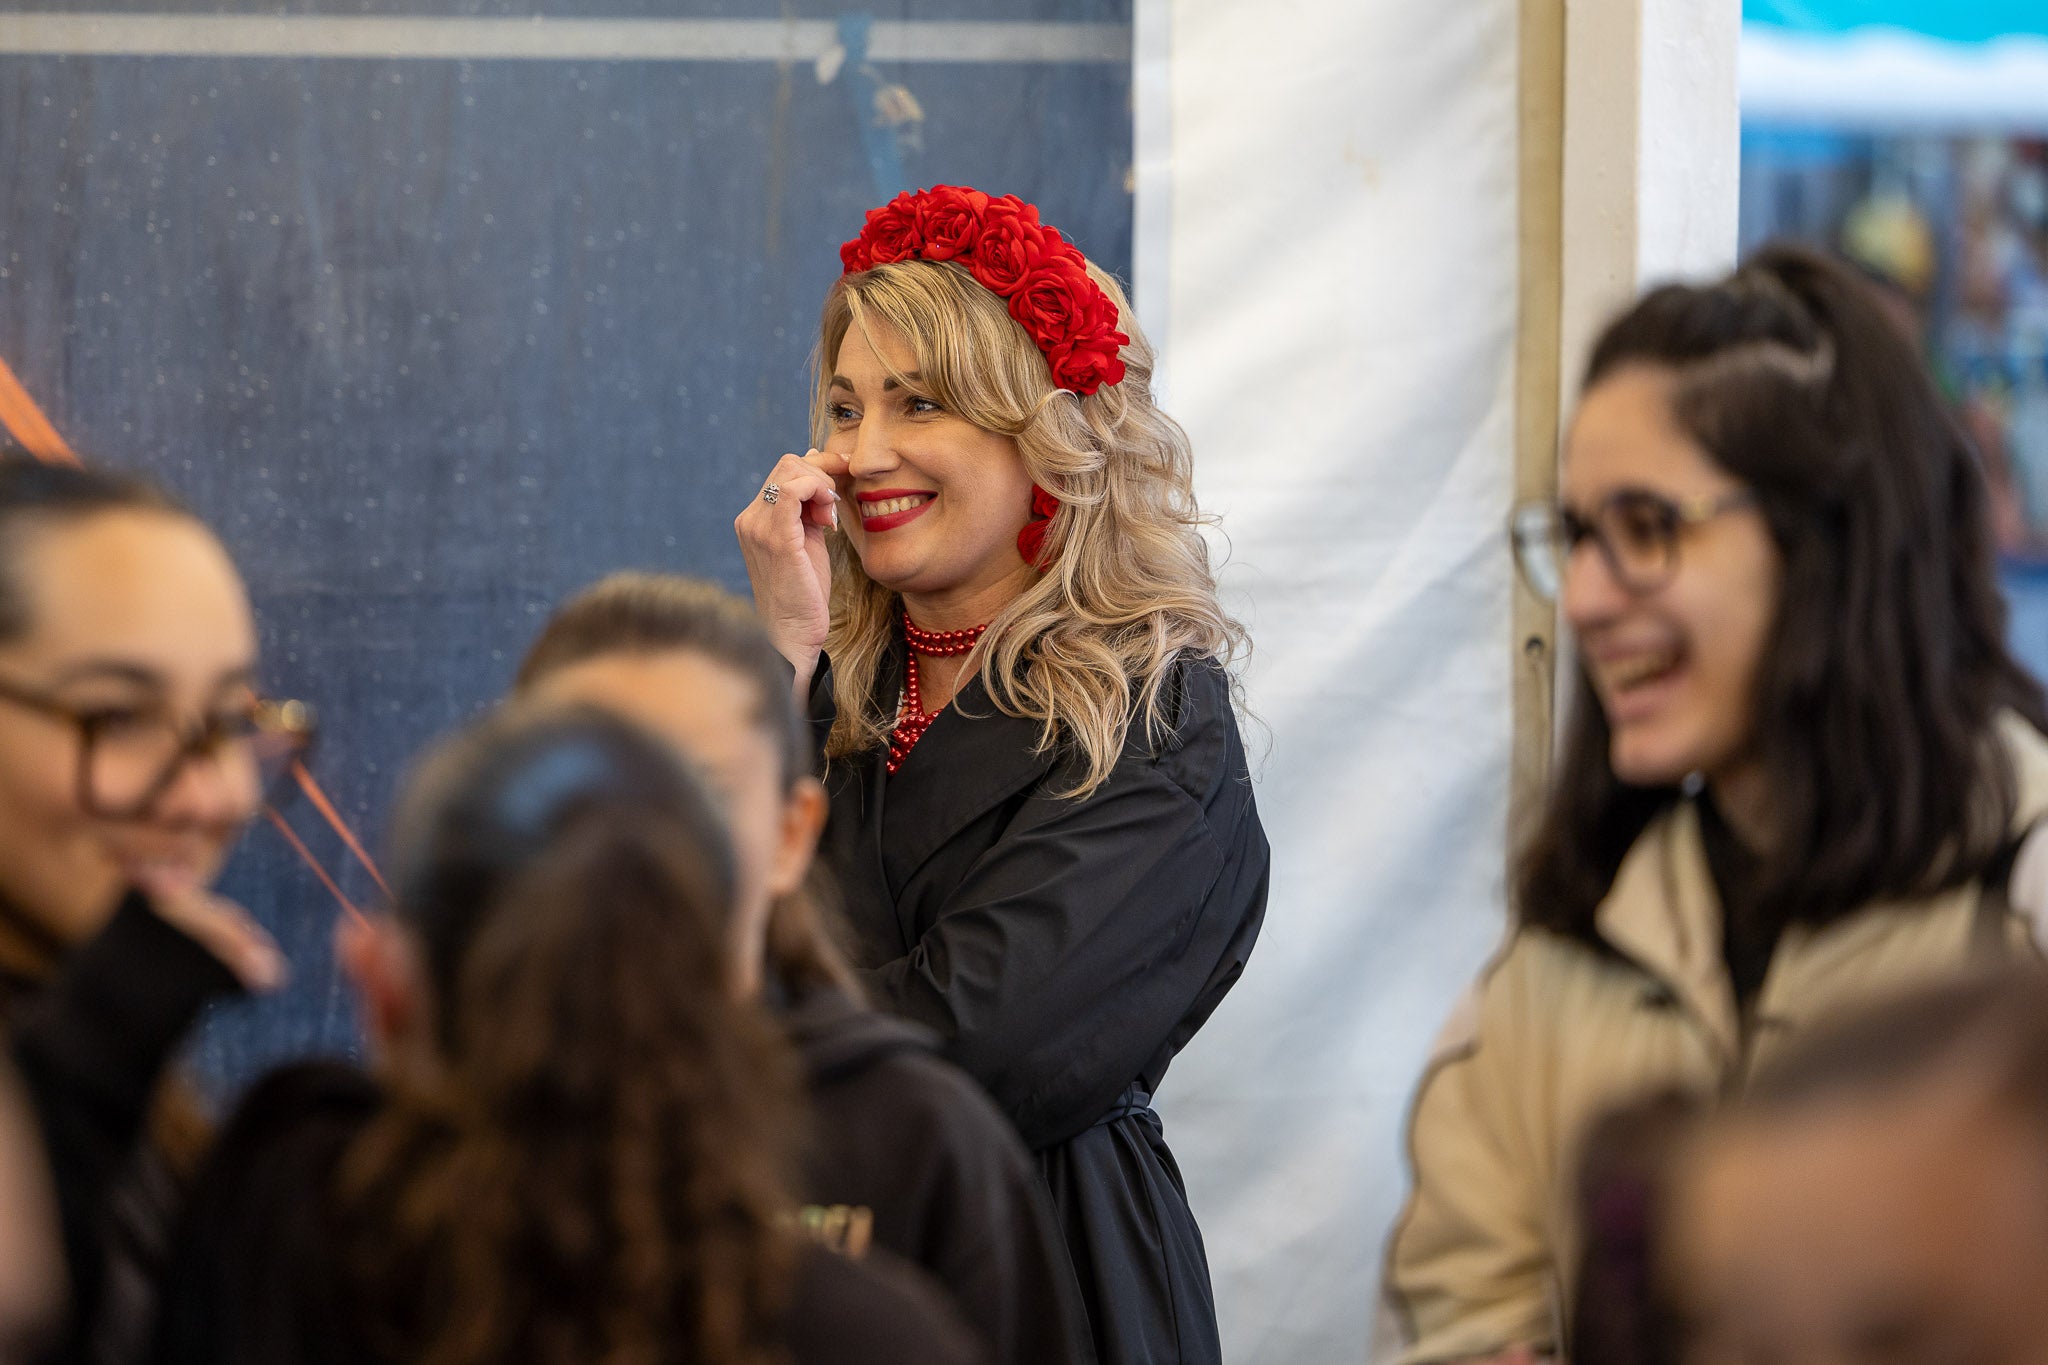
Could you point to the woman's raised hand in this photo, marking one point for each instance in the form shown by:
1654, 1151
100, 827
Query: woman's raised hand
782, 539
223, 929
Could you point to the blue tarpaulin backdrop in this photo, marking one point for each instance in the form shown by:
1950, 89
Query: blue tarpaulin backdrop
435, 342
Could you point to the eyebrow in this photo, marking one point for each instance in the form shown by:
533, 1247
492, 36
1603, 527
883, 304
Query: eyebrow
840, 381
140, 675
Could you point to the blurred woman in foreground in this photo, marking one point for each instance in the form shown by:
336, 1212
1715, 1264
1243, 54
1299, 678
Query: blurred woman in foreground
579, 1144
134, 748
1799, 772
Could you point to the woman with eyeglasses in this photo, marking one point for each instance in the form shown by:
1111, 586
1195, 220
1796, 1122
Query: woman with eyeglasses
1800, 768
134, 746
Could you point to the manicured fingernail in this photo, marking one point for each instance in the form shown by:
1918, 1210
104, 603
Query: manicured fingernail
267, 969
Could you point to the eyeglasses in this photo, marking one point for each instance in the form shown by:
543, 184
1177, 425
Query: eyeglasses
1637, 532
128, 757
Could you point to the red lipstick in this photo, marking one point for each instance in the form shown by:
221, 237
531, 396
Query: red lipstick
873, 523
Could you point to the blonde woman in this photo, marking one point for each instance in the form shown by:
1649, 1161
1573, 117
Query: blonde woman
989, 579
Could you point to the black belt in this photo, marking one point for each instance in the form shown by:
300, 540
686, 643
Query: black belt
1134, 1101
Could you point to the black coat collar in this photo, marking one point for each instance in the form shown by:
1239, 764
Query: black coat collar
971, 759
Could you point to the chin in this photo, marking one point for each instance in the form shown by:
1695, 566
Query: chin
884, 568
903, 575
1650, 760
88, 908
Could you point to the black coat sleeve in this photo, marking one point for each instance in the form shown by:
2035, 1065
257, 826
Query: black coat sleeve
1060, 965
91, 1050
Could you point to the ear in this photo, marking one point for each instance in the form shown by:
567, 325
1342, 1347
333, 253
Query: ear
382, 963
803, 820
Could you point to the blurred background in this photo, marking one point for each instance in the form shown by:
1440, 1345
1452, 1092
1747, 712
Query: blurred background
1912, 136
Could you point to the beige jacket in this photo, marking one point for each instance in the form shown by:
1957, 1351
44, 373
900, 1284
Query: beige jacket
1552, 1035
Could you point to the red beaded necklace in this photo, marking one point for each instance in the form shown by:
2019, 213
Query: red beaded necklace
940, 644
912, 720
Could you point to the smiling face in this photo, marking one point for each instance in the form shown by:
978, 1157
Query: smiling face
1675, 668
133, 615
937, 501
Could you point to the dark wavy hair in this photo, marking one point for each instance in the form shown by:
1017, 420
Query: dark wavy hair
1886, 665
651, 613
594, 1163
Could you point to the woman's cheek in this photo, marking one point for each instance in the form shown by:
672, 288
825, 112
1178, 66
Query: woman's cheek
51, 859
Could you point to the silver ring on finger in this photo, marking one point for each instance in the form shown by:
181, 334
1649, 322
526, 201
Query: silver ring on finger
770, 493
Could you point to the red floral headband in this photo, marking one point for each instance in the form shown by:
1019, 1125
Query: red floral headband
1014, 256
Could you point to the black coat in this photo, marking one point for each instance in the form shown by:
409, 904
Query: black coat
93, 1046
912, 1148
1066, 950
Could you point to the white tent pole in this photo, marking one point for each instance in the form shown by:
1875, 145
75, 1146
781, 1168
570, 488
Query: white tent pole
1650, 172
1152, 171
1651, 144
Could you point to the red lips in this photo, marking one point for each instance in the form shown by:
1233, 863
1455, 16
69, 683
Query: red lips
889, 521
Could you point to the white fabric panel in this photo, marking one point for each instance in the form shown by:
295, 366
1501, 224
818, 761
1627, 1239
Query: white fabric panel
1340, 308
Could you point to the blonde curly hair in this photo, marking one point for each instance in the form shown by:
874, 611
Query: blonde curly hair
1128, 589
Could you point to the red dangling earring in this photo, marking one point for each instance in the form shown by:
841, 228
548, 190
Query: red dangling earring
1031, 540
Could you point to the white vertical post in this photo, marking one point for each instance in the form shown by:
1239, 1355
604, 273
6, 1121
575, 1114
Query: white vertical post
1152, 168
1651, 145
1652, 149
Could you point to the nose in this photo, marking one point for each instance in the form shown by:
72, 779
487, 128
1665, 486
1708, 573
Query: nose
874, 447
217, 787
1590, 593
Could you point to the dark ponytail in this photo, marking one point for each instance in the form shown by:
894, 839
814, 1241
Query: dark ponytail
1887, 667
592, 1164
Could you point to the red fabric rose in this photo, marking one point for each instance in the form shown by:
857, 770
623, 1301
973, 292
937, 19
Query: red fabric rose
855, 256
891, 232
1031, 540
949, 221
1056, 302
1013, 244
1085, 366
1010, 203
